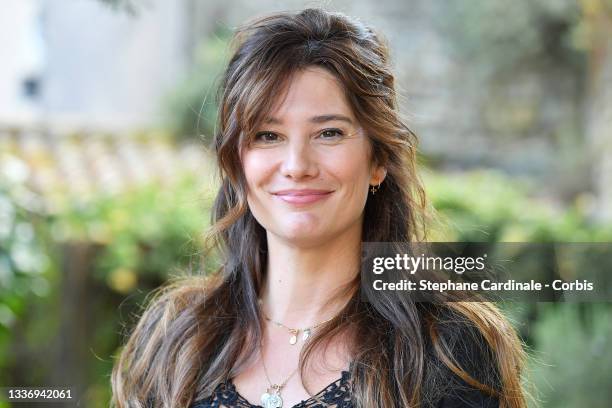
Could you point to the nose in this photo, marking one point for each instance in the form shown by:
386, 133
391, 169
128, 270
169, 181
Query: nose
299, 160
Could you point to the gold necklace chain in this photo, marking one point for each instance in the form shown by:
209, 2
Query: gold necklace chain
294, 331
276, 387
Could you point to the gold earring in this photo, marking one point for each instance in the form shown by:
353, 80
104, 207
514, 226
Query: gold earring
374, 189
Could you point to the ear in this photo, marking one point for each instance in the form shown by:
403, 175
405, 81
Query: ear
378, 175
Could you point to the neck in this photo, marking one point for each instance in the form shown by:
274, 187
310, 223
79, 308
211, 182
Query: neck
302, 283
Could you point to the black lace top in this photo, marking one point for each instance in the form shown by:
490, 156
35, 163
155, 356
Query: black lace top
449, 391
336, 395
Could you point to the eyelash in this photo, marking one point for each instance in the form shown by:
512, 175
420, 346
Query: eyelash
337, 133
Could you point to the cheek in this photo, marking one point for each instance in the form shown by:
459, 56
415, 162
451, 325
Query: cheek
255, 168
351, 167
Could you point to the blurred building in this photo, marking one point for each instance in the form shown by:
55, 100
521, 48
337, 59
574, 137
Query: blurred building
21, 53
84, 62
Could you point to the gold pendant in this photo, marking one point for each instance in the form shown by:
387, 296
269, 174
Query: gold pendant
293, 338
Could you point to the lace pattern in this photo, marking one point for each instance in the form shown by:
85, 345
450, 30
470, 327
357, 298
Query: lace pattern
335, 395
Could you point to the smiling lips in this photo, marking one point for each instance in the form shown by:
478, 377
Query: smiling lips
305, 196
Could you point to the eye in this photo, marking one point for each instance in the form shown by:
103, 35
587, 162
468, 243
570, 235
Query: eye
331, 134
266, 137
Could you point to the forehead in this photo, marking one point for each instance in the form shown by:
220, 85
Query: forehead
312, 91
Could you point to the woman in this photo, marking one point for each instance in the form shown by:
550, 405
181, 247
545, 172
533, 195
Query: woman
314, 160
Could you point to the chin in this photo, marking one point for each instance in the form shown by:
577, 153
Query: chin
303, 241
300, 233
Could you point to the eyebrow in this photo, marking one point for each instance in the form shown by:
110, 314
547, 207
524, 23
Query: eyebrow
316, 119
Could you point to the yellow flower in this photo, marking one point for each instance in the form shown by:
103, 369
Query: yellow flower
122, 280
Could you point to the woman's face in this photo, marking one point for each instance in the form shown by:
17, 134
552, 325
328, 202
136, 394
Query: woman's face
308, 167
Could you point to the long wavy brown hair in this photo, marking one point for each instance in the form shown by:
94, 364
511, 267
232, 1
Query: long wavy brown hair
197, 332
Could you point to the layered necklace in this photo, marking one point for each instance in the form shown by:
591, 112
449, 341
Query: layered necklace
294, 332
272, 397
306, 331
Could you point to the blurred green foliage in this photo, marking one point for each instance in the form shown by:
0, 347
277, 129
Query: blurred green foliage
138, 239
192, 106
24, 265
145, 233
572, 363
488, 206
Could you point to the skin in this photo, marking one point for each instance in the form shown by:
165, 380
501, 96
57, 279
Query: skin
311, 140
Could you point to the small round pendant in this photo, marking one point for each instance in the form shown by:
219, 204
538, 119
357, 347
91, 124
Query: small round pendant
293, 340
271, 400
